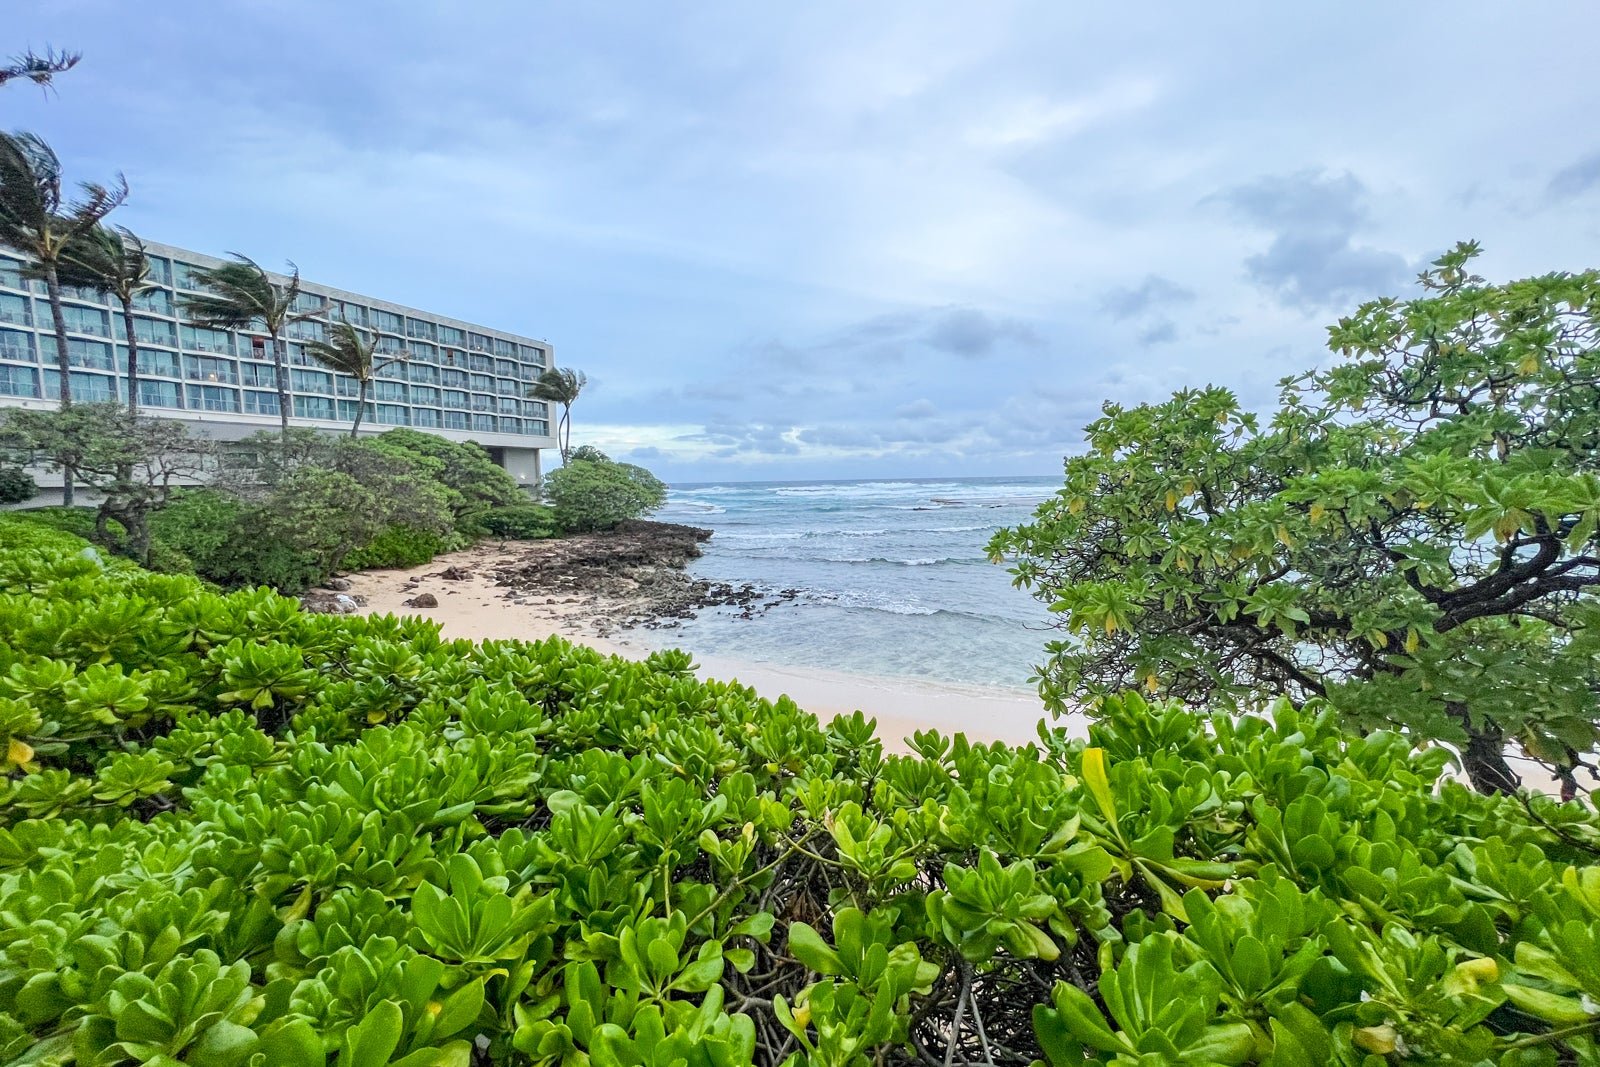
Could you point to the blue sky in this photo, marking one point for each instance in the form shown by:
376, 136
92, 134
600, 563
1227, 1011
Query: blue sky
844, 239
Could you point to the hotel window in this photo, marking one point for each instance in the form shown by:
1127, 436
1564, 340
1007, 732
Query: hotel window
424, 394
19, 381
479, 343
502, 347
452, 357
483, 383
346, 386
425, 417
508, 406
507, 368
313, 407
483, 423
311, 381
11, 274
394, 371
307, 330
160, 394
449, 335
424, 372
387, 321
155, 301
86, 388
393, 415
305, 301
533, 355
354, 314
95, 355
160, 270
155, 361
297, 355
85, 320
481, 364
208, 369
200, 339
450, 376
537, 427
14, 344
506, 387
259, 403
17, 309
537, 408
423, 351
419, 329
454, 398
183, 277
148, 331
260, 375
212, 398
82, 295
347, 411
391, 391
510, 425
482, 403
455, 420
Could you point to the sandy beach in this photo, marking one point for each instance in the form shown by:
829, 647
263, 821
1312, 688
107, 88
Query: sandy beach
473, 605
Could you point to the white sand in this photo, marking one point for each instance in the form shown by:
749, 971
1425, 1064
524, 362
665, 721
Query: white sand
476, 608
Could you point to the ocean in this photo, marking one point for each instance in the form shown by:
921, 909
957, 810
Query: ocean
891, 576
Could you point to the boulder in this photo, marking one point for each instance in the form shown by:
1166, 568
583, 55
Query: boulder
338, 585
423, 600
322, 602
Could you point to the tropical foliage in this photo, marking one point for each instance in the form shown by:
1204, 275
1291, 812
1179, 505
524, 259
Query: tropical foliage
38, 68
237, 834
347, 351
561, 385
587, 495
114, 262
1413, 535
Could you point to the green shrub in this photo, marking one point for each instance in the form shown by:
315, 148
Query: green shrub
473, 482
222, 540
585, 495
398, 546
74, 520
17, 486
520, 522
235, 833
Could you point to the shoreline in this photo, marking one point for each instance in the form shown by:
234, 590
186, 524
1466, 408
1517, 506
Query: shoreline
474, 604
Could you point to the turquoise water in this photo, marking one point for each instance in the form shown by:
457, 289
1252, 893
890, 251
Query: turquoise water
891, 575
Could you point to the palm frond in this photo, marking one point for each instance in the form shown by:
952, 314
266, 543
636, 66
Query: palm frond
39, 69
345, 351
107, 260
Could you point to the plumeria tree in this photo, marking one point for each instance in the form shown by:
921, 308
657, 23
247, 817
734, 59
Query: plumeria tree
1411, 537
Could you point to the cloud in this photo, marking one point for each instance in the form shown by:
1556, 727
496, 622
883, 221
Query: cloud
919, 409
1575, 179
972, 334
1160, 332
1313, 261
1125, 302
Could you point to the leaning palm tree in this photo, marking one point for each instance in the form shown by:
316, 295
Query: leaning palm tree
347, 353
37, 219
561, 385
240, 293
112, 261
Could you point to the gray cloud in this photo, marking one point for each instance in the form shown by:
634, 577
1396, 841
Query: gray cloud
1155, 292
1575, 179
918, 409
1313, 261
1160, 332
972, 334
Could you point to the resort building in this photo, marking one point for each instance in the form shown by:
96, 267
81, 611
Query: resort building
458, 380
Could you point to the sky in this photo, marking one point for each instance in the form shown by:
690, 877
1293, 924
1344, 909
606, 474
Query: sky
841, 240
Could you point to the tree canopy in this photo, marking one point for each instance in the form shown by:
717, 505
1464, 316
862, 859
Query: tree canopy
1411, 536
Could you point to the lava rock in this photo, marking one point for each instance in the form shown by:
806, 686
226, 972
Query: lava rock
422, 600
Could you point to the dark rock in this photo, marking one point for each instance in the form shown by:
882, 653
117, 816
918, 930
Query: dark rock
455, 574
338, 585
423, 600
321, 602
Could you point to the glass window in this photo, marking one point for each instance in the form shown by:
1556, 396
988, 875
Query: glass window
183, 277
311, 381
212, 398
387, 321
87, 388
151, 361
156, 301
307, 330
347, 411
449, 376
483, 383
449, 335
537, 427
82, 294
506, 368
345, 385
484, 423
481, 364
14, 344
536, 408
454, 398
452, 357
19, 381
160, 269
455, 420
424, 372
305, 301
355, 314
17, 309
502, 347
313, 407
506, 387
482, 403
260, 375
424, 394
510, 425
423, 351
393, 391
420, 329
11, 273
160, 394
533, 355
93, 354
479, 343
425, 417
200, 339
148, 331
508, 406
260, 403
393, 415
210, 369
85, 320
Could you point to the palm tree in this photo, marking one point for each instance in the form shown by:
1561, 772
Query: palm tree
241, 294
37, 219
561, 385
114, 262
38, 69
346, 353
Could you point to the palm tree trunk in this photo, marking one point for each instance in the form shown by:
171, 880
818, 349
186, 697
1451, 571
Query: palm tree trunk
52, 285
281, 365
564, 430
361, 408
133, 358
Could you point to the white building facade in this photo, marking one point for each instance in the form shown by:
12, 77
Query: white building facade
458, 380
